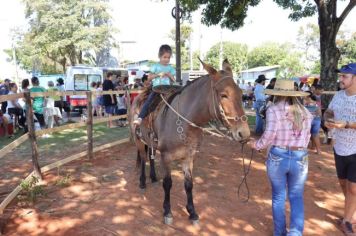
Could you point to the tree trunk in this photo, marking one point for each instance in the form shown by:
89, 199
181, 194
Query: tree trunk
80, 57
329, 53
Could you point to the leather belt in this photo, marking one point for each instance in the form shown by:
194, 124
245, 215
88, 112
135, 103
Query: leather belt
292, 148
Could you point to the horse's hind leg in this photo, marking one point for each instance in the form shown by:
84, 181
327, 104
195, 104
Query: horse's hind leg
142, 163
188, 185
167, 185
151, 154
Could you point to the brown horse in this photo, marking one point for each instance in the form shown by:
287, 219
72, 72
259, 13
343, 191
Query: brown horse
178, 137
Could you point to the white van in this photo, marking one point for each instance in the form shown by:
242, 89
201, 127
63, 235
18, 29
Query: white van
79, 78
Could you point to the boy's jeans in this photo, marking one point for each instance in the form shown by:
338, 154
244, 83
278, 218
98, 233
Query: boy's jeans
286, 168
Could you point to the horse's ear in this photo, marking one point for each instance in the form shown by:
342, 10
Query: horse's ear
226, 66
212, 72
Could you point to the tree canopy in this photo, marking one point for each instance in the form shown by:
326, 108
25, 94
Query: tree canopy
231, 14
271, 53
236, 54
186, 32
63, 32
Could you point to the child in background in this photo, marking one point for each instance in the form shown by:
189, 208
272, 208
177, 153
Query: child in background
312, 106
161, 73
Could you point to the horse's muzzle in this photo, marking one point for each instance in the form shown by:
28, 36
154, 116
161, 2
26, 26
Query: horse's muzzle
241, 133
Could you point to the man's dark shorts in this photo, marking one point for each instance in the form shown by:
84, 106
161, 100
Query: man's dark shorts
65, 106
346, 167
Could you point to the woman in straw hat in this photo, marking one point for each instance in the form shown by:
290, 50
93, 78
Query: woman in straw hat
287, 134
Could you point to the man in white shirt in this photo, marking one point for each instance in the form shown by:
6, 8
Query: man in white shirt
341, 115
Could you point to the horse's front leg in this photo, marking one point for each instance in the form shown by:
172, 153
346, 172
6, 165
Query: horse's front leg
167, 185
188, 185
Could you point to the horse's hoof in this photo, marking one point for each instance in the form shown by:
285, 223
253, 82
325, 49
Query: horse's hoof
195, 222
154, 180
168, 220
142, 186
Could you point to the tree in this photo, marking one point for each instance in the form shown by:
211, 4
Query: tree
186, 32
309, 43
64, 32
231, 14
271, 53
236, 54
347, 47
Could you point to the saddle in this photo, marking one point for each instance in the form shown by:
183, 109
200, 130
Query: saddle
157, 103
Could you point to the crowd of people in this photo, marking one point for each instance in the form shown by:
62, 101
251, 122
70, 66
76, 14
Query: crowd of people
48, 110
254, 97
293, 116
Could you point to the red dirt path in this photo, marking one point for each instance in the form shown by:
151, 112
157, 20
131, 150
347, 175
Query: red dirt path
103, 197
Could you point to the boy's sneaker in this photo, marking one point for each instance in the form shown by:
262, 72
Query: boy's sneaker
346, 227
137, 121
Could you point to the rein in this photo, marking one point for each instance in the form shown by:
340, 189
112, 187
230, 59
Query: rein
246, 172
219, 134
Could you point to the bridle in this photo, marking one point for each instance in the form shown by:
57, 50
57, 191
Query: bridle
224, 118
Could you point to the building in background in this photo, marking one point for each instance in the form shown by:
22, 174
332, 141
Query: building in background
251, 75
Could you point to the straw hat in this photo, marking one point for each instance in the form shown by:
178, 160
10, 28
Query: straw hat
285, 87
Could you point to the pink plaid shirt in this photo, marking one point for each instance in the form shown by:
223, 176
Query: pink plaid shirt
279, 128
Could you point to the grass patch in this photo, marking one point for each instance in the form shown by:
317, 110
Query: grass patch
30, 190
73, 138
5, 140
251, 120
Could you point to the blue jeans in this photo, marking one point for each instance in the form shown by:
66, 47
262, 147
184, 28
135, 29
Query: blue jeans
259, 121
146, 106
286, 168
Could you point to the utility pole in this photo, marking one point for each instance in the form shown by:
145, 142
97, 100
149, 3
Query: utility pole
221, 51
177, 14
190, 52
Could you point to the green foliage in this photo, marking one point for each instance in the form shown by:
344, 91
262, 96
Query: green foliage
64, 181
309, 42
271, 53
229, 13
62, 32
30, 190
347, 46
236, 54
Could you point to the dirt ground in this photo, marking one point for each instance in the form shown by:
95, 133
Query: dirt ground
103, 198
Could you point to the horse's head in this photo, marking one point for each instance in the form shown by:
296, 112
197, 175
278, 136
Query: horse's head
227, 101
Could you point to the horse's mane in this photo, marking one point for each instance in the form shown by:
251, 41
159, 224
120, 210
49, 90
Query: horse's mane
179, 91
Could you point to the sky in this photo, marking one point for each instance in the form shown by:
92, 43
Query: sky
147, 23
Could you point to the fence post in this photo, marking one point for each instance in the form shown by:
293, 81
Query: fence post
128, 95
32, 135
90, 123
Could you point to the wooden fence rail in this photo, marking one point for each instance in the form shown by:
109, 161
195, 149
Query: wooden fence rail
32, 134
